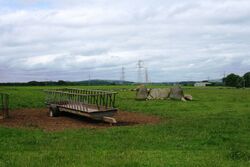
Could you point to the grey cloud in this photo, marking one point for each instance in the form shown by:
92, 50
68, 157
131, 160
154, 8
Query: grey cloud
189, 39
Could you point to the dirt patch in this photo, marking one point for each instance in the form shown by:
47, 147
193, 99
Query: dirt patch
38, 118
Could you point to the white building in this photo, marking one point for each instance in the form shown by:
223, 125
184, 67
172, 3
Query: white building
201, 84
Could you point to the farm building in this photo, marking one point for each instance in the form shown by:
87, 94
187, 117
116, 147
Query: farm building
201, 84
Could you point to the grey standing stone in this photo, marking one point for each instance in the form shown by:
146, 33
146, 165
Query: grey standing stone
142, 93
176, 93
188, 97
159, 93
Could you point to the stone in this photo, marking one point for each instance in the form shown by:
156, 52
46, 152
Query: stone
176, 93
188, 97
142, 93
158, 93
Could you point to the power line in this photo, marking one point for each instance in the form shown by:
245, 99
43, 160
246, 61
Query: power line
146, 75
123, 75
89, 79
140, 68
142, 72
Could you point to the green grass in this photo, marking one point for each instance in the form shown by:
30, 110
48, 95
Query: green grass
212, 130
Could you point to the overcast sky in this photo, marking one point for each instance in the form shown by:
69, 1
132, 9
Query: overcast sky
72, 40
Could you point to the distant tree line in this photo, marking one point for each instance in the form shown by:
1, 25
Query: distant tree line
64, 83
237, 81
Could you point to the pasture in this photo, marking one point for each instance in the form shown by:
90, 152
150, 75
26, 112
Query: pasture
211, 130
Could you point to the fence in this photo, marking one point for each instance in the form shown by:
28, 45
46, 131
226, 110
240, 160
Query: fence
4, 105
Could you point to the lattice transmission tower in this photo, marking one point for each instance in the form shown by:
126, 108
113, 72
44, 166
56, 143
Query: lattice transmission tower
140, 66
122, 75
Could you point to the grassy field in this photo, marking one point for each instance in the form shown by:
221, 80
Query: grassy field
212, 130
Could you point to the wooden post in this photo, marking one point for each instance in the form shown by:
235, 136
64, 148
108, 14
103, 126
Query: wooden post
6, 108
1, 106
110, 100
106, 101
5, 105
113, 104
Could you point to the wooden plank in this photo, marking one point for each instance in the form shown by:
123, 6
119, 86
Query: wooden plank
74, 106
110, 120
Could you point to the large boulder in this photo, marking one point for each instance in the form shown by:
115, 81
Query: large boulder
158, 93
176, 93
141, 93
188, 97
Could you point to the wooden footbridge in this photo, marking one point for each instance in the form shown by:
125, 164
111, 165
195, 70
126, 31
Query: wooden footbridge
95, 104
4, 105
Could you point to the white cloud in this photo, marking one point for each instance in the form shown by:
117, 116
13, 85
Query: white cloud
178, 40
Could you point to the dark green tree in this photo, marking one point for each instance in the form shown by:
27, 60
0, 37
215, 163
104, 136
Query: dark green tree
61, 82
240, 82
233, 80
247, 79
